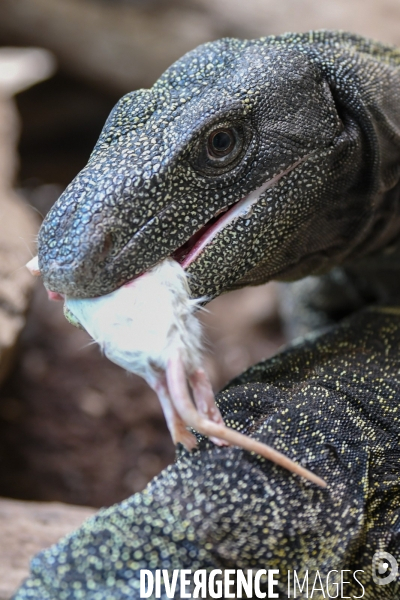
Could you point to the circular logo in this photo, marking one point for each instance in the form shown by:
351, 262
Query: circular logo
384, 568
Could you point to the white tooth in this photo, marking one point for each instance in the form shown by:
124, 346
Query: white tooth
33, 266
221, 210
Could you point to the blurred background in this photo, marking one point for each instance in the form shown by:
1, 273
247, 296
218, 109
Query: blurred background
74, 427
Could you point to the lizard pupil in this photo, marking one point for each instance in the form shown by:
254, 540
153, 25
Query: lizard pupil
221, 142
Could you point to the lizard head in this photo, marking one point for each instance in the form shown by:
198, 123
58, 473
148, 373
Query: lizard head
241, 163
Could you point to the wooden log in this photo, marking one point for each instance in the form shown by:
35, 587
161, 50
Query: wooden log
25, 529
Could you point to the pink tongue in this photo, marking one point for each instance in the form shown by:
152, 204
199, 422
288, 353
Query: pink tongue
54, 295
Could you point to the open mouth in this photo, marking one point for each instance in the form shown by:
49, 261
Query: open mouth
191, 249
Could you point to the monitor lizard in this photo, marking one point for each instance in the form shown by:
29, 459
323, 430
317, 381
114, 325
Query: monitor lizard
248, 161
331, 403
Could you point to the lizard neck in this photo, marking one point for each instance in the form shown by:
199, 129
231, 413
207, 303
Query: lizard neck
383, 232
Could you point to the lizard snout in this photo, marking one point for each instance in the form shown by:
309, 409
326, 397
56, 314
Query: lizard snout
80, 273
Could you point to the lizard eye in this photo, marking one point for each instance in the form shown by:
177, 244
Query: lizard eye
221, 142
220, 149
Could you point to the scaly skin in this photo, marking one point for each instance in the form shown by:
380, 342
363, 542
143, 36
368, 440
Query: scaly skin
333, 404
318, 116
323, 108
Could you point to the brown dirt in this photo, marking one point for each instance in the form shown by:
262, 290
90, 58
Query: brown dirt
76, 428
73, 426
26, 528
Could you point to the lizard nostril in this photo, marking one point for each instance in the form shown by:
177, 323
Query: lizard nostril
107, 247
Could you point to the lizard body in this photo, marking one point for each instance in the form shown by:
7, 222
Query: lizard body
248, 161
331, 403
298, 136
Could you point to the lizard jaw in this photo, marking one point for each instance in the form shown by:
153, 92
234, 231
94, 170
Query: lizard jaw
188, 253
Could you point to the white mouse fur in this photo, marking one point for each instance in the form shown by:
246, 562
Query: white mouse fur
140, 325
149, 327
